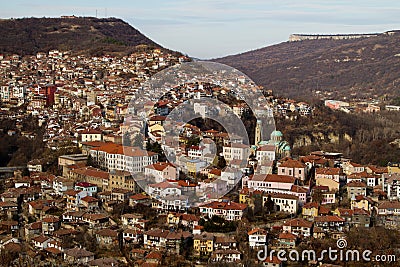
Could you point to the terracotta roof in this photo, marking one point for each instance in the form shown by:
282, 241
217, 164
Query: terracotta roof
225, 205
284, 196
95, 217
12, 247
291, 163
157, 232
310, 205
324, 210
159, 166
53, 250
345, 212
356, 184
266, 148
273, 178
78, 252
9, 223
90, 131
107, 233
85, 184
286, 235
40, 238
163, 185
298, 189
139, 197
358, 211
89, 199
91, 172
298, 223
104, 262
204, 236
35, 226
329, 218
389, 205
51, 219
257, 231
215, 171
328, 171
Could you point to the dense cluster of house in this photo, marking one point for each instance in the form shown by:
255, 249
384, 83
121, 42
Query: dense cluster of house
119, 202
44, 214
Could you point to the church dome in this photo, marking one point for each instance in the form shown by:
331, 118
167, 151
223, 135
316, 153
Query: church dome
276, 133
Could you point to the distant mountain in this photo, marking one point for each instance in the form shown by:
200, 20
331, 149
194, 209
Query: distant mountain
359, 67
79, 34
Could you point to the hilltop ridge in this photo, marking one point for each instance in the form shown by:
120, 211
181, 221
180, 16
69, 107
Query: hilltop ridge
326, 67
87, 35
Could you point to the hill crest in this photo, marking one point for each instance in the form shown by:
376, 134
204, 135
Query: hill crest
86, 35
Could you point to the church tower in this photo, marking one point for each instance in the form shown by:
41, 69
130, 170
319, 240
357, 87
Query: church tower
257, 138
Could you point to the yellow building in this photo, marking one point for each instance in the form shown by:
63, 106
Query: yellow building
121, 179
361, 202
332, 184
157, 128
393, 168
173, 218
310, 210
244, 196
203, 244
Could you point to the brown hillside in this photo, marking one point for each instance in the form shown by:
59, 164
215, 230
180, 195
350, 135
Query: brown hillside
79, 34
365, 67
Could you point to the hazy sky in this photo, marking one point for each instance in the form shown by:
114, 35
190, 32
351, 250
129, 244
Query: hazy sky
214, 28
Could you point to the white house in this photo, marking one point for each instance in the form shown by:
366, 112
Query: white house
236, 151
60, 185
391, 185
269, 182
257, 237
118, 157
231, 176
162, 171
89, 135
284, 202
41, 241
298, 226
164, 189
231, 211
265, 153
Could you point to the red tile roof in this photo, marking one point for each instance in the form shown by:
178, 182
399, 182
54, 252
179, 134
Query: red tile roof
329, 218
225, 205
298, 222
291, 163
286, 235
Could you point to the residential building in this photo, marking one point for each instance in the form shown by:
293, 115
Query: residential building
356, 189
265, 153
123, 158
283, 202
203, 244
162, 171
293, 168
298, 227
236, 151
229, 210
257, 237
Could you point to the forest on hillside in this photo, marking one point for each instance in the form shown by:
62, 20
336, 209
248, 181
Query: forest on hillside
365, 138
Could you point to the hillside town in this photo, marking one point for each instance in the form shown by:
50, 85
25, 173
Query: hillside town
133, 194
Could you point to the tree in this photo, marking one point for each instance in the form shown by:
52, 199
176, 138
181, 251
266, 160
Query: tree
138, 140
269, 205
318, 196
